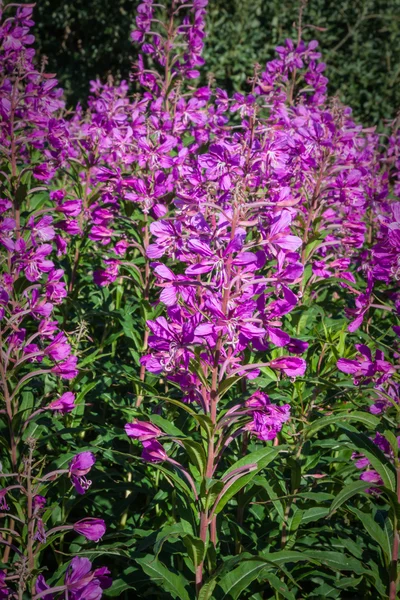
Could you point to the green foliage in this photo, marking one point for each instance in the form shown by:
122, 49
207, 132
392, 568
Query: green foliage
359, 39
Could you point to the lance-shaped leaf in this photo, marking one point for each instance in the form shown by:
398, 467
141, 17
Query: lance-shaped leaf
360, 417
256, 461
173, 583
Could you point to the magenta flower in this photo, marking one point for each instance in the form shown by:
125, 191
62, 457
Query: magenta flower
66, 369
279, 234
41, 586
371, 477
142, 431
4, 589
35, 262
267, 418
173, 286
39, 502
43, 172
222, 163
64, 404
80, 466
84, 584
81, 583
92, 529
43, 230
153, 451
70, 208
102, 234
362, 462
364, 367
3, 501
290, 365
59, 349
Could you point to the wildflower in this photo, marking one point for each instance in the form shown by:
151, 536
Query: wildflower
64, 404
92, 529
267, 418
142, 431
153, 451
66, 369
3, 502
80, 466
290, 365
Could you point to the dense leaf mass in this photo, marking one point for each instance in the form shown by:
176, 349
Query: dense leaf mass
85, 39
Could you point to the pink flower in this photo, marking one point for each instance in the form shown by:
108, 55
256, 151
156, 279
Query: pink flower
3, 502
142, 431
64, 404
66, 369
92, 529
70, 208
84, 584
291, 365
153, 451
268, 418
59, 349
80, 466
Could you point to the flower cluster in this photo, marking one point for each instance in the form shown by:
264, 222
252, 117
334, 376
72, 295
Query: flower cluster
226, 215
36, 222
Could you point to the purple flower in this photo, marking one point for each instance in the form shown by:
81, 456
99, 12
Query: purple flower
92, 529
290, 365
36, 263
3, 501
267, 418
64, 404
102, 234
41, 586
80, 466
279, 234
142, 431
365, 367
222, 163
70, 208
43, 172
39, 502
84, 584
66, 369
4, 589
59, 349
153, 451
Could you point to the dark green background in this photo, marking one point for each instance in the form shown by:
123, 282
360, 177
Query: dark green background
83, 39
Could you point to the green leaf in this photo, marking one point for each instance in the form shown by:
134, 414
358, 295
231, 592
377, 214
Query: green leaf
261, 458
166, 534
392, 439
236, 581
168, 581
350, 490
314, 514
207, 589
227, 384
361, 417
289, 556
382, 535
88, 360
381, 464
172, 477
166, 426
337, 561
196, 454
196, 549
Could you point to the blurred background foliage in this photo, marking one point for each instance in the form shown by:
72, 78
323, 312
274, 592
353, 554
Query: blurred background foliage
360, 41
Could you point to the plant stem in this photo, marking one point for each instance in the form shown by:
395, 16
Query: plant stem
146, 292
395, 548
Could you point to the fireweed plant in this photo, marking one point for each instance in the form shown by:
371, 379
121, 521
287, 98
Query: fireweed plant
199, 311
